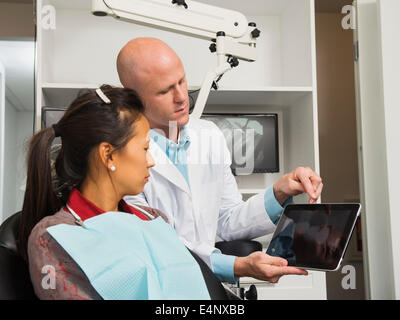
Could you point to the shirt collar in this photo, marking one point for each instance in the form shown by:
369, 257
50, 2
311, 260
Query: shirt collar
165, 143
184, 138
86, 209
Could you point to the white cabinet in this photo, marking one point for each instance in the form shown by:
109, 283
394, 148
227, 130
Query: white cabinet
289, 287
81, 51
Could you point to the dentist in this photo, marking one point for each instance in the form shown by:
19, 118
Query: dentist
192, 182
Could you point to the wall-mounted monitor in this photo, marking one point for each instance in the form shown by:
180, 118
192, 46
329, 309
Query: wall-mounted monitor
252, 140
51, 115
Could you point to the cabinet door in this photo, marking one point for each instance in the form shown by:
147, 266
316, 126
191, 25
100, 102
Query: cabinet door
291, 287
377, 70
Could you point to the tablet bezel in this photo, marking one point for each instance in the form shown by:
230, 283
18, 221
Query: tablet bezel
288, 208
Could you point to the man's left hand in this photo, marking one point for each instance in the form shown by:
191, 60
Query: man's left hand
297, 182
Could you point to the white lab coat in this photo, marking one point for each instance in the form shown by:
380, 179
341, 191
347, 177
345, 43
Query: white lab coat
212, 204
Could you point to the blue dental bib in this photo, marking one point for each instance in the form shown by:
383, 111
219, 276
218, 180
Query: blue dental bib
125, 257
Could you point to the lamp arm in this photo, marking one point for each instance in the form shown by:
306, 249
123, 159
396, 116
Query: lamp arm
233, 37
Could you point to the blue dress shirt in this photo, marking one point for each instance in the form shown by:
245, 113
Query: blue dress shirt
222, 264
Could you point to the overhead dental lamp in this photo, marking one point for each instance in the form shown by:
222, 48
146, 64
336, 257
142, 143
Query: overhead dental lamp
232, 37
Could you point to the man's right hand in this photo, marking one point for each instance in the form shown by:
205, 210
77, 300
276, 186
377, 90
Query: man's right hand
262, 266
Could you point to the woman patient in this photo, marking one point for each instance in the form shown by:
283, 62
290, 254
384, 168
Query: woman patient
103, 157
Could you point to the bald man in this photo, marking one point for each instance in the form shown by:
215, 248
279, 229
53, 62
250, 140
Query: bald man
201, 199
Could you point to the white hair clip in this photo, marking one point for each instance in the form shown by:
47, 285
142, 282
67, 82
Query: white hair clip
103, 96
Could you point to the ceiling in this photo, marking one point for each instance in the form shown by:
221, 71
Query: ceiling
320, 5
17, 1
251, 7
333, 6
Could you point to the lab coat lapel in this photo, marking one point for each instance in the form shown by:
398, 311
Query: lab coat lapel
195, 173
165, 167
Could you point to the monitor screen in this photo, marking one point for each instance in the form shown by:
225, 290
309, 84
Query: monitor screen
51, 115
314, 236
252, 140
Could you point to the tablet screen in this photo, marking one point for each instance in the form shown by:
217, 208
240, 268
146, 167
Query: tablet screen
314, 236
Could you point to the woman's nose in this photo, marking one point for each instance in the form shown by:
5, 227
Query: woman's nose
150, 160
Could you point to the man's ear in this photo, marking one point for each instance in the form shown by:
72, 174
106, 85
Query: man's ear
105, 151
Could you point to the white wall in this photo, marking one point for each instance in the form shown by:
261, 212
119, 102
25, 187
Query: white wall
9, 160
2, 114
24, 123
378, 116
18, 113
18, 130
388, 12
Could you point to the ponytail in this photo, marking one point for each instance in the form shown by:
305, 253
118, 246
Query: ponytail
40, 197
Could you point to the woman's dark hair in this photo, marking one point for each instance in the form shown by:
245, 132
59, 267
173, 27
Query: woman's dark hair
88, 121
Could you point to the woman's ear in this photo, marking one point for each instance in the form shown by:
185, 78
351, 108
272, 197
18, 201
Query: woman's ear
105, 154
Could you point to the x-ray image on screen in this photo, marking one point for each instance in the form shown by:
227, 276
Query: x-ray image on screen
252, 141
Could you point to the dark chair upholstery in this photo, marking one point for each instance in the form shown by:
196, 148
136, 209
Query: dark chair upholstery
15, 283
214, 286
239, 248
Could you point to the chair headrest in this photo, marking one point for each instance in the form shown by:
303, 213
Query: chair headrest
9, 232
239, 248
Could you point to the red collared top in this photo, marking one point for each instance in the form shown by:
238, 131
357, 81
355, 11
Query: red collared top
86, 209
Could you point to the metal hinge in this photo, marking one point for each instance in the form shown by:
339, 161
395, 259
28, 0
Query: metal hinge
356, 51
34, 12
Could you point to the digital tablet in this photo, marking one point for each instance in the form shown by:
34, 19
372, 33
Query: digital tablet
314, 236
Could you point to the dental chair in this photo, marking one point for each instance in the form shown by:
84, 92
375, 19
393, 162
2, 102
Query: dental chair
15, 283
240, 248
